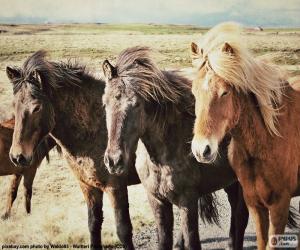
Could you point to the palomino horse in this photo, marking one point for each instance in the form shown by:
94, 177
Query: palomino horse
8, 168
143, 102
251, 100
64, 101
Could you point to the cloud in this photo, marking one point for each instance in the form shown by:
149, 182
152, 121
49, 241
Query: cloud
89, 9
274, 5
52, 10
167, 11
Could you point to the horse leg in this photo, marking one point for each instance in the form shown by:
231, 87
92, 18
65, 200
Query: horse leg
232, 192
279, 216
94, 200
239, 216
28, 181
179, 245
189, 225
12, 195
163, 213
119, 201
241, 220
261, 218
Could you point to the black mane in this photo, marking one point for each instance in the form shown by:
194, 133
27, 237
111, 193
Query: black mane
53, 74
167, 88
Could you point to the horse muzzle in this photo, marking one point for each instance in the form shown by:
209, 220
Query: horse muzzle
114, 163
20, 160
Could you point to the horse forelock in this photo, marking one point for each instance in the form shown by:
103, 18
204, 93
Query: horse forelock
140, 72
53, 74
171, 91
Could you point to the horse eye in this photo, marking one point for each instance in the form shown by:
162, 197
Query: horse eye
224, 93
118, 96
137, 104
36, 109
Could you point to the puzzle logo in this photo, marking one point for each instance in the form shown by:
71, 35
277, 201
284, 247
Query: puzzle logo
283, 241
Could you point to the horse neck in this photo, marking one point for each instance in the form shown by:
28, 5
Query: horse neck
79, 115
167, 135
251, 131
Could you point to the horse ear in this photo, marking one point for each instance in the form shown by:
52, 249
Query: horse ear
194, 48
37, 77
109, 70
12, 73
227, 48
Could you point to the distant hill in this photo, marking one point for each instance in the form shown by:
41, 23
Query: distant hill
273, 18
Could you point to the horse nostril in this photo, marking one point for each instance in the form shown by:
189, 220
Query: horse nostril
106, 160
13, 159
207, 151
119, 161
110, 162
21, 160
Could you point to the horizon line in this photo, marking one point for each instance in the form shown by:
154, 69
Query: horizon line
143, 23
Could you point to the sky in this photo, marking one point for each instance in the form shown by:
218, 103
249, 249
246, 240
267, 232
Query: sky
272, 13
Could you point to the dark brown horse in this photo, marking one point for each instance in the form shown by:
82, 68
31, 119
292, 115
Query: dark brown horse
64, 101
8, 168
143, 102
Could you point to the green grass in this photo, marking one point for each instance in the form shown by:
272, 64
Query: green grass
282, 29
95, 42
146, 29
70, 29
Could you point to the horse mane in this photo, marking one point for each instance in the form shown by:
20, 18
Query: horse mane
53, 74
8, 123
167, 88
209, 40
135, 66
245, 72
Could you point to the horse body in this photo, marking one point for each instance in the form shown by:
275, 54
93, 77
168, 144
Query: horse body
8, 168
77, 134
250, 99
72, 113
268, 167
260, 173
268, 185
163, 122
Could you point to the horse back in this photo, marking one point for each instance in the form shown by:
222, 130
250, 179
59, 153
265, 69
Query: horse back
6, 133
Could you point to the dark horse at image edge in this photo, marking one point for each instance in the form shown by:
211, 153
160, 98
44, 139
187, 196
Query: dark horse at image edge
17, 172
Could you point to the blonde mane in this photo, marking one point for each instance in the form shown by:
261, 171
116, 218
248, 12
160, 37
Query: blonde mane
209, 40
244, 71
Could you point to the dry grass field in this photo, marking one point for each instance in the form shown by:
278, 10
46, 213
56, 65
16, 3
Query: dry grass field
58, 209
